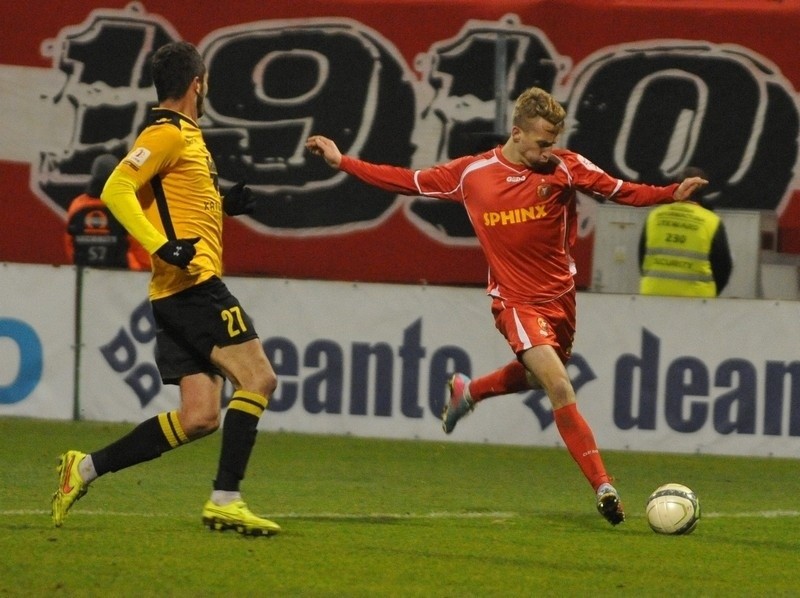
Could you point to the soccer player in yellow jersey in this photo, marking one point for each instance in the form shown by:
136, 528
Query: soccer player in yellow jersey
165, 193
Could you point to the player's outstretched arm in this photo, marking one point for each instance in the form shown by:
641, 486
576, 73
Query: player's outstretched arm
322, 146
688, 187
396, 179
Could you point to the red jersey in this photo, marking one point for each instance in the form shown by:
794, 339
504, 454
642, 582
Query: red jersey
525, 220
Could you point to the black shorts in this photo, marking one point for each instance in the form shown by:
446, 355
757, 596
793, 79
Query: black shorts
191, 323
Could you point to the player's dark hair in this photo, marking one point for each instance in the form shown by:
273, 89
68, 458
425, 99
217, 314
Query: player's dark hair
175, 65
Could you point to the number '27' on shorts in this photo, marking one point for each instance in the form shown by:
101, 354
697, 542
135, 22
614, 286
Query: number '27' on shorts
189, 324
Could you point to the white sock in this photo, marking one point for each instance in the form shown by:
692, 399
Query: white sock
87, 470
605, 487
225, 497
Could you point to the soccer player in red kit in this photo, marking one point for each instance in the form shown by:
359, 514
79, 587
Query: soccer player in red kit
520, 198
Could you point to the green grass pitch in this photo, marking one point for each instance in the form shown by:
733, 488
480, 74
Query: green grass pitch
368, 517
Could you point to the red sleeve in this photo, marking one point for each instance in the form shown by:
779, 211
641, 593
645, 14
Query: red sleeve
442, 181
634, 194
593, 180
388, 178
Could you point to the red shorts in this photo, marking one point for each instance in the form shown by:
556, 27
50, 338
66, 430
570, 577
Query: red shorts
527, 325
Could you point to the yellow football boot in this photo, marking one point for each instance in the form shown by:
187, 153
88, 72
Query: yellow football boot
70, 485
238, 517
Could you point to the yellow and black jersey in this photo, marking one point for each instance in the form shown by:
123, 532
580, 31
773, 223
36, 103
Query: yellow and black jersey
166, 188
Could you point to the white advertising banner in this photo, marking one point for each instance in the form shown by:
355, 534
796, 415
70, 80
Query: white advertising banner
652, 374
37, 337
691, 375
118, 376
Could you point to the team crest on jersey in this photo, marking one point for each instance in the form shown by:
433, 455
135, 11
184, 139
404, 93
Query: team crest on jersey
544, 190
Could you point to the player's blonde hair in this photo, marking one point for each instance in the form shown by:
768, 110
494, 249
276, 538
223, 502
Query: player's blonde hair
534, 102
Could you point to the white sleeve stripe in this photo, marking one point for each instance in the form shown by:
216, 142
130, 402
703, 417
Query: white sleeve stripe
616, 188
474, 166
432, 193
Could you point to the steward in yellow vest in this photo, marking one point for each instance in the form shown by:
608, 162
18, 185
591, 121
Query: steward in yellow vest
684, 251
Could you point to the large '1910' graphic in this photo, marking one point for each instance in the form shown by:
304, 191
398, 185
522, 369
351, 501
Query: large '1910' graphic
642, 112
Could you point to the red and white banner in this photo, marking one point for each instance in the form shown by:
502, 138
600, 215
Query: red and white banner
650, 87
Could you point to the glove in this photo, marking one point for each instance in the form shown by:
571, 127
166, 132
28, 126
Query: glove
239, 200
178, 252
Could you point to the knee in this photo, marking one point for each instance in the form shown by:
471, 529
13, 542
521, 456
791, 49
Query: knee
561, 393
197, 425
262, 381
269, 383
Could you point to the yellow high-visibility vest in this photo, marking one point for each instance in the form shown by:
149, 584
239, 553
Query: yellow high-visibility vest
678, 243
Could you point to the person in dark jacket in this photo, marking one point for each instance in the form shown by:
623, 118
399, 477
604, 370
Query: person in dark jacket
94, 237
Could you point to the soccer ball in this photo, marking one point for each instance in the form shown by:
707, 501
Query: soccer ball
673, 509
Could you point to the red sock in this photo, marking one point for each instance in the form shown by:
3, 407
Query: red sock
578, 437
509, 378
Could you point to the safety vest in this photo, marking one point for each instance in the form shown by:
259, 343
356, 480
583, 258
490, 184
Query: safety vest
678, 243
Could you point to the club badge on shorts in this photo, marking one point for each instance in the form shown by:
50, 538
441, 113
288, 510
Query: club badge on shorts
544, 329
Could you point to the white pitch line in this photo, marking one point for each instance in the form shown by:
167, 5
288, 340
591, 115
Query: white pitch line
343, 516
434, 515
755, 515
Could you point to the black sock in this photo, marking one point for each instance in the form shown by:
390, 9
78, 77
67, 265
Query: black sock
145, 442
238, 438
